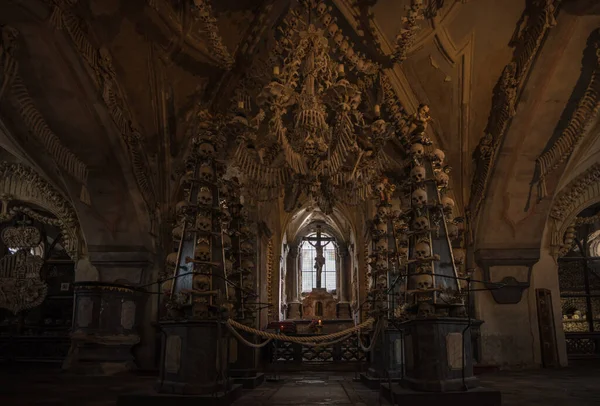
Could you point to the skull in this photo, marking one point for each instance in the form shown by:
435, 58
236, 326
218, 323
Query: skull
206, 173
360, 64
344, 46
417, 150
228, 266
226, 240
403, 253
224, 190
381, 227
332, 29
202, 282
246, 246
425, 310
418, 173
459, 256
350, 52
171, 261
452, 231
448, 205
247, 265
381, 245
437, 156
206, 149
326, 19
421, 223
339, 38
382, 281
203, 223
381, 263
383, 210
202, 251
419, 198
182, 207
422, 281
177, 232
187, 179
422, 250
442, 179
205, 196
321, 9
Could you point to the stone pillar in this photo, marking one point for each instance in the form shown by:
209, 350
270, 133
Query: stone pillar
344, 272
294, 304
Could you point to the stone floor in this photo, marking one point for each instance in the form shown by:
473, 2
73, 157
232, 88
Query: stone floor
569, 386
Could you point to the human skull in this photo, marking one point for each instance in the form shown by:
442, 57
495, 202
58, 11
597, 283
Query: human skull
206, 173
381, 245
421, 223
417, 150
381, 263
403, 253
226, 240
452, 231
418, 173
381, 227
422, 281
182, 207
201, 282
187, 178
203, 223
321, 9
459, 256
437, 156
422, 250
383, 210
177, 232
246, 246
425, 310
326, 19
382, 281
171, 260
205, 196
339, 38
442, 179
206, 149
247, 264
419, 198
332, 29
448, 205
202, 250
344, 46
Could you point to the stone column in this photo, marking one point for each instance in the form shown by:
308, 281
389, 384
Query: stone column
344, 272
294, 304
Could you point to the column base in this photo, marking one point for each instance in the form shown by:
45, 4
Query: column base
249, 381
169, 399
344, 311
397, 395
97, 355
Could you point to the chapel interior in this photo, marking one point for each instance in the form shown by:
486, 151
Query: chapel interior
299, 202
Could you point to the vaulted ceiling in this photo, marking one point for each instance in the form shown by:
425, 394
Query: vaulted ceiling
116, 83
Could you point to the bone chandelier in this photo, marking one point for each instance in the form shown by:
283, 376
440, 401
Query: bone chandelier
317, 134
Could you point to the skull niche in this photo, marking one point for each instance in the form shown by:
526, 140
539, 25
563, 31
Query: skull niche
442, 179
421, 224
417, 150
437, 157
205, 197
202, 251
417, 174
422, 250
422, 281
203, 223
419, 198
206, 173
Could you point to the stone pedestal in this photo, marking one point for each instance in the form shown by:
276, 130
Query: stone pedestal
105, 328
434, 351
243, 362
386, 361
294, 310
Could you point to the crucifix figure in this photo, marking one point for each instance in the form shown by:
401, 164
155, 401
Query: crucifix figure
317, 242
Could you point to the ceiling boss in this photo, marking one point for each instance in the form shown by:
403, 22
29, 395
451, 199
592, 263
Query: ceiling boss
318, 131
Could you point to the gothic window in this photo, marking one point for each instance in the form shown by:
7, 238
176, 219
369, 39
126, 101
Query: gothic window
308, 254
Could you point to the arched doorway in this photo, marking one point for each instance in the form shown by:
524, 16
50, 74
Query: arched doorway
579, 281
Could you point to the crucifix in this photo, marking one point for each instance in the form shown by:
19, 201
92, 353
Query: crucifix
317, 242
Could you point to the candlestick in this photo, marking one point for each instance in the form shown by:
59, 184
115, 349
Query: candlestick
276, 70
341, 69
240, 104
377, 109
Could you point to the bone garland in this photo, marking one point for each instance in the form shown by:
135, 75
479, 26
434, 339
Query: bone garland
580, 122
19, 97
408, 32
100, 63
541, 19
203, 11
19, 182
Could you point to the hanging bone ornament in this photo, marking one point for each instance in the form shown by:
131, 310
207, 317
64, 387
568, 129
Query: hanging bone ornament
422, 281
442, 179
437, 157
205, 197
422, 250
419, 198
421, 224
417, 174
417, 150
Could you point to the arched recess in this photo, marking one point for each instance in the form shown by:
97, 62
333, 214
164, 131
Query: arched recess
19, 182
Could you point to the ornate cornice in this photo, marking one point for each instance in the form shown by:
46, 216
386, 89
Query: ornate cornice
540, 18
15, 91
575, 193
21, 183
580, 121
100, 67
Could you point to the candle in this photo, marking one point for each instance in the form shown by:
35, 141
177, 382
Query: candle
341, 68
276, 70
320, 322
240, 104
377, 109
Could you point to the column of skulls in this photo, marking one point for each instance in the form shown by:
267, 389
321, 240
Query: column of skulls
246, 265
432, 283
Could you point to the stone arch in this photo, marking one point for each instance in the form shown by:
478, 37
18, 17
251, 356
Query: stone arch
19, 182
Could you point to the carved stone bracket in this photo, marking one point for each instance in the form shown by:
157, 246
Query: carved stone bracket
510, 268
